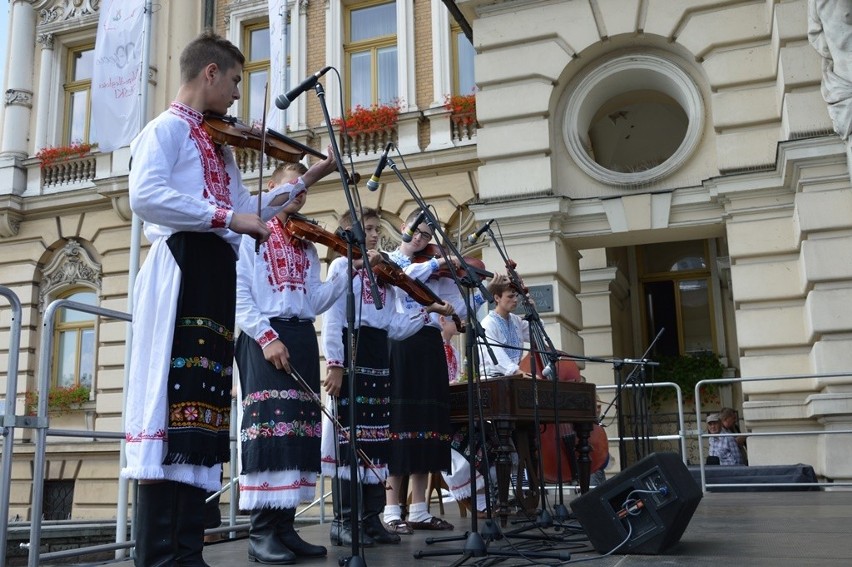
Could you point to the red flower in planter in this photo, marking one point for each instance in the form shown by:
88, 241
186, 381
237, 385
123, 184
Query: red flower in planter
58, 154
366, 120
462, 108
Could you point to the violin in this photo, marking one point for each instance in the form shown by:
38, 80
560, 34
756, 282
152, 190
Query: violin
433, 251
229, 130
386, 271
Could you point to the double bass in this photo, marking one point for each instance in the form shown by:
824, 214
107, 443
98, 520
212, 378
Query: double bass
553, 451
555, 456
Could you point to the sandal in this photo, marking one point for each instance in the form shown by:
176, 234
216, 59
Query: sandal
433, 523
399, 527
480, 514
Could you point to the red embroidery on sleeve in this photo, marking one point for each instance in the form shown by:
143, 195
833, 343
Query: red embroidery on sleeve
220, 218
267, 337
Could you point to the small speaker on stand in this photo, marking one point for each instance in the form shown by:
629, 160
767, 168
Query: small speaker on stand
664, 497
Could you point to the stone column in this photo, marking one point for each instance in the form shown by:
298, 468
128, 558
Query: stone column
18, 97
46, 41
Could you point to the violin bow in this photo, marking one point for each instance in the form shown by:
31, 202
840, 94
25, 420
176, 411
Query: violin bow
260, 161
365, 459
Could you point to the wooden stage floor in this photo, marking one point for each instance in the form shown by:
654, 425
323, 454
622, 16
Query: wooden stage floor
743, 529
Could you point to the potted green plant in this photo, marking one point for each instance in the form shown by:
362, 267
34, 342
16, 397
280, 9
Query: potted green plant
686, 371
60, 399
58, 154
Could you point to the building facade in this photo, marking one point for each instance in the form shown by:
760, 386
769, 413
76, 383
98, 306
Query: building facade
652, 164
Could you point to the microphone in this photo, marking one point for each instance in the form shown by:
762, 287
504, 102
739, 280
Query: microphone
283, 101
408, 234
373, 182
472, 238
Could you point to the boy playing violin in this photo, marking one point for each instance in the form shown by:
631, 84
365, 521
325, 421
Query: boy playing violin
188, 191
279, 294
373, 329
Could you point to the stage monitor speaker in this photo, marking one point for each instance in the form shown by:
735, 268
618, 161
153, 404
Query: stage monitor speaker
668, 494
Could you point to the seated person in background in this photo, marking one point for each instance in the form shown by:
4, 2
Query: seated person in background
724, 448
730, 424
506, 332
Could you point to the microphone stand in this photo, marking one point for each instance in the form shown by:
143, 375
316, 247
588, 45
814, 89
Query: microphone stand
475, 545
617, 365
541, 345
354, 236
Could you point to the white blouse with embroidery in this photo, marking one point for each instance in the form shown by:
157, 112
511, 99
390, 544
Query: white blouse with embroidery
512, 332
170, 155
445, 288
398, 324
281, 280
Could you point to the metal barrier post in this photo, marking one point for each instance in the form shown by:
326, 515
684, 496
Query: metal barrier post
680, 420
42, 419
9, 417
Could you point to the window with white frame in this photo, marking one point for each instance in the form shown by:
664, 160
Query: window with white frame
462, 50
74, 342
78, 95
370, 48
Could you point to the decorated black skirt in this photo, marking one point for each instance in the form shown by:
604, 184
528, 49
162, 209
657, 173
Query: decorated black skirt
202, 355
420, 404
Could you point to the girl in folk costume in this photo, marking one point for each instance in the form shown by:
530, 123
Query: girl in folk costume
189, 193
279, 294
372, 386
420, 408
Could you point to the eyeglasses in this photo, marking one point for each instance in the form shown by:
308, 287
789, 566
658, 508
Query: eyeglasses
427, 236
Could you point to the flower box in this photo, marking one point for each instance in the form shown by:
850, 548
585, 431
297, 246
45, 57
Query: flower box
60, 399
462, 109
59, 154
368, 120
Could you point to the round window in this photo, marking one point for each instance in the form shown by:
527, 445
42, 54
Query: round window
633, 120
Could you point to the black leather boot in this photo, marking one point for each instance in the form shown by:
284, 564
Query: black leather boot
264, 546
341, 527
189, 527
155, 525
289, 537
374, 504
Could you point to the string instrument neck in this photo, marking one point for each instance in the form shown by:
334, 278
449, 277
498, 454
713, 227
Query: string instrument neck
385, 271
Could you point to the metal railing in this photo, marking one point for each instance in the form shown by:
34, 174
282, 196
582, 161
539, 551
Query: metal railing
42, 421
41, 424
701, 436
9, 417
682, 433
